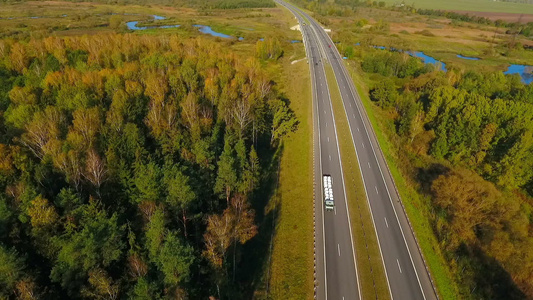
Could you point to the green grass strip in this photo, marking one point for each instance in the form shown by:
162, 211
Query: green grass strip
292, 256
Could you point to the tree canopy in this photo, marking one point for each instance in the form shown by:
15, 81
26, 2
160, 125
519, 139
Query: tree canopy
119, 153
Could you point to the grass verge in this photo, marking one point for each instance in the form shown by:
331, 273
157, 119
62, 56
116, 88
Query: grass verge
369, 262
291, 270
417, 206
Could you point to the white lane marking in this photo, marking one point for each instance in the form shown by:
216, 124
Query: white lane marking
368, 165
398, 265
357, 129
363, 144
386, 223
350, 104
330, 157
326, 124
339, 248
328, 139
376, 189
335, 209
324, 111
353, 116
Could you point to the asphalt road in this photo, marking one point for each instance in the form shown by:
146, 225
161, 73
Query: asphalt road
335, 253
404, 267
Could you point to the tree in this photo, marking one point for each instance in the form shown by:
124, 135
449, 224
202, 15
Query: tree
283, 122
515, 168
95, 242
236, 224
42, 213
244, 228
410, 120
155, 234
19, 57
227, 176
485, 138
27, 289
102, 285
384, 94
147, 178
95, 169
470, 204
45, 127
175, 260
87, 124
179, 193
11, 269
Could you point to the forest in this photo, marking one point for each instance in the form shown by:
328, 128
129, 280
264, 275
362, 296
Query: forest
130, 167
466, 138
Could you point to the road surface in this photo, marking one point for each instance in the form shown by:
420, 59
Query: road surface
405, 269
335, 253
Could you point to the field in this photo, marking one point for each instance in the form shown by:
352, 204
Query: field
470, 5
41, 19
438, 37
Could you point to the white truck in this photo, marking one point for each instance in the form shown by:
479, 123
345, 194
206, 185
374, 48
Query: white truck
328, 192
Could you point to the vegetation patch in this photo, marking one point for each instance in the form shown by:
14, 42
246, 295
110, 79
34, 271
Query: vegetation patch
432, 142
135, 166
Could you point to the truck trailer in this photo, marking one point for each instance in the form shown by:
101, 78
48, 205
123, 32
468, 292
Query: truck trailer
328, 192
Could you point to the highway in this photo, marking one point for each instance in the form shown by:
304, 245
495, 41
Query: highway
335, 256
405, 269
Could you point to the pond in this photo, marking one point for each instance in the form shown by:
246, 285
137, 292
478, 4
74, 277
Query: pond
418, 54
427, 59
202, 28
133, 24
207, 30
524, 71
